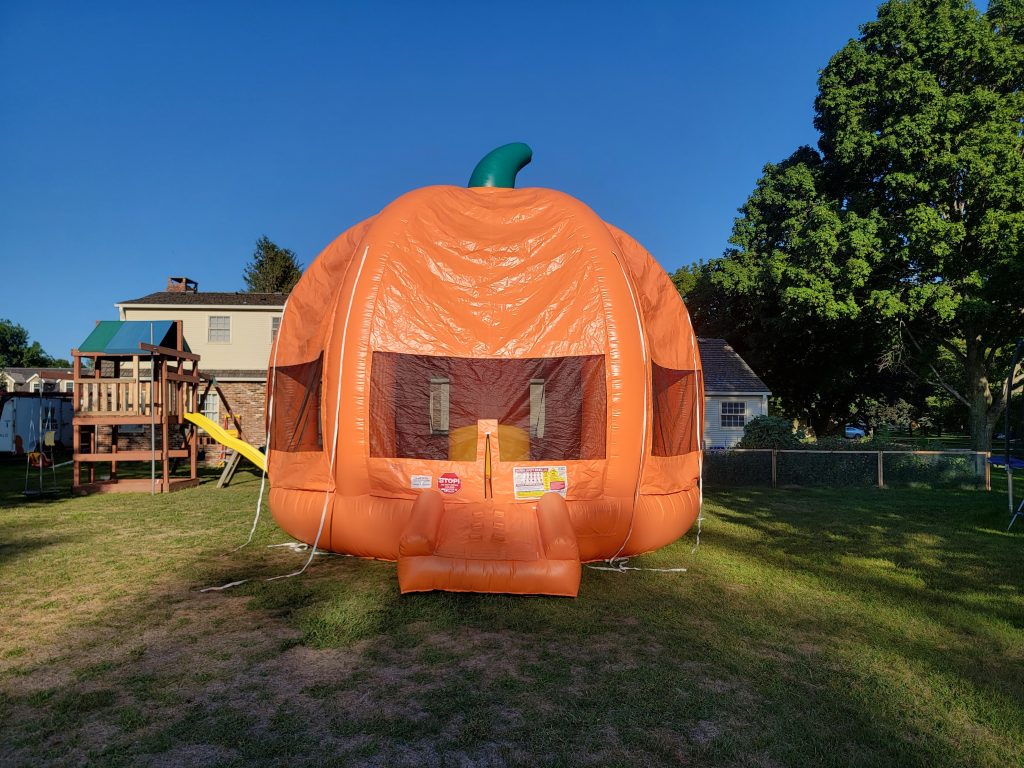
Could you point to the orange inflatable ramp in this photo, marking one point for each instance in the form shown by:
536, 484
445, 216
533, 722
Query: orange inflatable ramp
489, 546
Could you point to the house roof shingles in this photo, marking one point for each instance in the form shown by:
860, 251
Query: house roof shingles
211, 299
237, 374
22, 375
725, 371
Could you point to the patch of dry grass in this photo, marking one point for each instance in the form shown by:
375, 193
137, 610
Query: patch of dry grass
813, 628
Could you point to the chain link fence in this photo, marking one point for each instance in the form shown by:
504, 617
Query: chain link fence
882, 469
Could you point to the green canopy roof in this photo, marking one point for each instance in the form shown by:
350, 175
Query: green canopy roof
123, 337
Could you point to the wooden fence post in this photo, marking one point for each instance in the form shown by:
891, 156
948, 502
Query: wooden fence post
775, 469
881, 476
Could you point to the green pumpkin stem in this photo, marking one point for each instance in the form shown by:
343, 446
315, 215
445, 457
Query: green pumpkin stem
500, 166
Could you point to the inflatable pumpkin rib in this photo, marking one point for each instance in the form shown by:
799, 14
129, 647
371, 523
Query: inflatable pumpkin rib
513, 383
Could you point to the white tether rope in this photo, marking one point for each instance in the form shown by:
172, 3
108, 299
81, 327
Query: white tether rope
270, 422
619, 566
337, 422
699, 408
643, 434
334, 448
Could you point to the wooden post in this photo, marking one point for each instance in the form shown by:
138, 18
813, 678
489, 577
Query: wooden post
76, 437
775, 469
193, 458
988, 470
164, 395
881, 476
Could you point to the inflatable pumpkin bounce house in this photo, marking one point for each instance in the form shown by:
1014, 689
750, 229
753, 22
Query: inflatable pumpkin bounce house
489, 385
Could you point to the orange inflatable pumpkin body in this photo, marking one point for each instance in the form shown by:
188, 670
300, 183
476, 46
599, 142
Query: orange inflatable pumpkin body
488, 385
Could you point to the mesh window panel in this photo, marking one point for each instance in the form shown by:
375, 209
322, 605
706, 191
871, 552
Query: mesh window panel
418, 404
675, 419
296, 421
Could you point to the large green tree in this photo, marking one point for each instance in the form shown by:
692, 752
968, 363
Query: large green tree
903, 237
17, 352
271, 269
921, 123
788, 295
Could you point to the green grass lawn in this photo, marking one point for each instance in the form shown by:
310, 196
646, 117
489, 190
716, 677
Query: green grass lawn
813, 628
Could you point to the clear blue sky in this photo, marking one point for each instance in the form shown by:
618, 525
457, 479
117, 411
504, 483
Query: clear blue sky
140, 140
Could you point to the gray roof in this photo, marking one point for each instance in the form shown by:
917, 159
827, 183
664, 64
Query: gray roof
21, 375
235, 374
725, 371
212, 298
221, 374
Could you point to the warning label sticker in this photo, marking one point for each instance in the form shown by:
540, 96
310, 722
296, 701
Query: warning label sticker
534, 482
421, 481
449, 482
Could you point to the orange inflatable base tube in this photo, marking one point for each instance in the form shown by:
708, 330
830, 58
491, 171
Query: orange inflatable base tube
519, 549
487, 546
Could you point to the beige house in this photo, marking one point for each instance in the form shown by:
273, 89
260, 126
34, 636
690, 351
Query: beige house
231, 332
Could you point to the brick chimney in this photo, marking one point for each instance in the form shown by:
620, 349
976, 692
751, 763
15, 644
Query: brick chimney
181, 285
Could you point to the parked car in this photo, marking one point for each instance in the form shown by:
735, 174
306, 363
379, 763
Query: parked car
853, 432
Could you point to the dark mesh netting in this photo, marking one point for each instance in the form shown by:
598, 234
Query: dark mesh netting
547, 408
296, 420
675, 418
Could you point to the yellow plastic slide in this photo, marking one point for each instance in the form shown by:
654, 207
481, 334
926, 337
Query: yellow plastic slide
251, 452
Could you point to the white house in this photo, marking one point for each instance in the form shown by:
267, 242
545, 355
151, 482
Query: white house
733, 394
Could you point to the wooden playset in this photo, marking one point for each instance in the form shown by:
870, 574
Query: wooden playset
130, 406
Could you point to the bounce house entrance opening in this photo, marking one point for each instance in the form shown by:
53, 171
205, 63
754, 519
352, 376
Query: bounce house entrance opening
427, 407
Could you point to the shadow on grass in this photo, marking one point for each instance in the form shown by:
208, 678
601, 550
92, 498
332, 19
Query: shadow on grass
771, 650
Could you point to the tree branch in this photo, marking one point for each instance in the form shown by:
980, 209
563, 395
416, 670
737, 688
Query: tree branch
939, 381
950, 347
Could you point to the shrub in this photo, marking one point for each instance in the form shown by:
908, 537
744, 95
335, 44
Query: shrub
769, 432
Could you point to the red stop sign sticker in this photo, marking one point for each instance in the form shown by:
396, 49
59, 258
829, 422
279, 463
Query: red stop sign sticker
449, 482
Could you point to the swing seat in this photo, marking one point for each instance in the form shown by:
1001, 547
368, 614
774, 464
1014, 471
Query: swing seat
38, 460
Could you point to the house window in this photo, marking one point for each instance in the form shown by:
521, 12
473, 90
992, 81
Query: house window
220, 329
275, 326
36, 386
211, 407
734, 414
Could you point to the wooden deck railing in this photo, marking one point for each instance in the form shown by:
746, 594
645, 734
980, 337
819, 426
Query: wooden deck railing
114, 397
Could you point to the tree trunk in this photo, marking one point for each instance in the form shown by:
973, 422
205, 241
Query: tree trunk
982, 426
820, 419
985, 408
